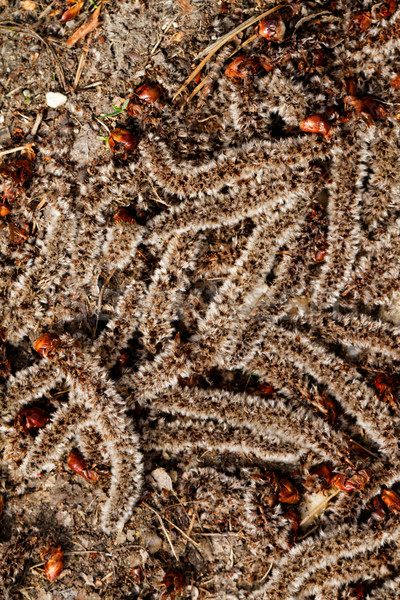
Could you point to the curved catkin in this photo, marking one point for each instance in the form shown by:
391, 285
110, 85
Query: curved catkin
214, 302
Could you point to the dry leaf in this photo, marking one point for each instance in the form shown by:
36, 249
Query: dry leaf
84, 29
28, 5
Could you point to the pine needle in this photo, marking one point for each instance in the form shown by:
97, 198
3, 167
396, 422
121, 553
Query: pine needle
221, 42
164, 529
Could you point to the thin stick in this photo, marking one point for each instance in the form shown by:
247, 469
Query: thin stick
11, 150
324, 13
100, 299
164, 529
197, 88
364, 448
36, 125
182, 532
267, 573
318, 508
81, 64
221, 42
92, 85
309, 532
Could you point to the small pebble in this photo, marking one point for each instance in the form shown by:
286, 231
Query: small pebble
55, 99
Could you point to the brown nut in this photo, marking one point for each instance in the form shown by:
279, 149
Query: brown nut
392, 500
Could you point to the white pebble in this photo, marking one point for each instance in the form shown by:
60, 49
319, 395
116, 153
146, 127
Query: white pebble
55, 99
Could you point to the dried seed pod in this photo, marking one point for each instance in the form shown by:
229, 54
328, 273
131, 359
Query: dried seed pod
19, 171
359, 479
328, 407
46, 344
318, 58
134, 108
339, 481
175, 582
317, 124
392, 500
360, 21
368, 108
268, 488
54, 564
151, 93
385, 386
20, 234
30, 418
72, 12
124, 215
379, 511
348, 484
242, 67
5, 209
384, 10
288, 493
122, 141
292, 515
272, 29
265, 390
356, 592
78, 464
395, 82
266, 64
323, 471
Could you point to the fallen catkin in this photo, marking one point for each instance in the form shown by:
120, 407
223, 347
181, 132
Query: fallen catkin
231, 329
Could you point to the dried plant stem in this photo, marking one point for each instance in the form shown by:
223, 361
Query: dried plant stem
224, 40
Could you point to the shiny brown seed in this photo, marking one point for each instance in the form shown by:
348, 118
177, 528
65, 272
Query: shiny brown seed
317, 124
124, 215
78, 464
348, 484
242, 67
323, 471
392, 500
122, 141
150, 93
360, 21
5, 209
46, 344
272, 29
379, 511
31, 418
288, 493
